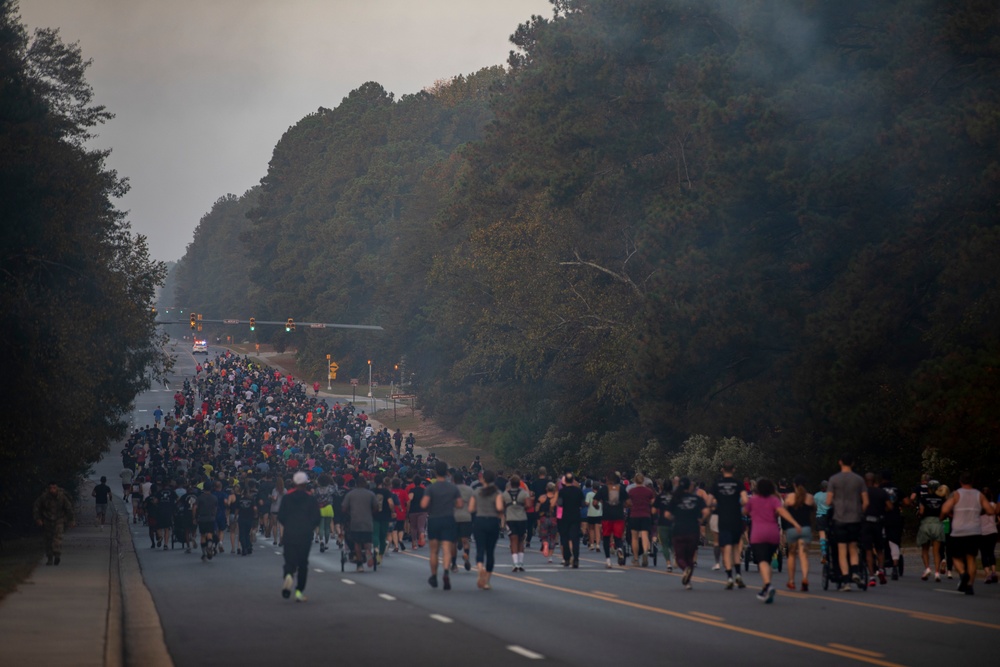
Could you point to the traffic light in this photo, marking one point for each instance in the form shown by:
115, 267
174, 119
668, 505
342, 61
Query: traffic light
253, 324
290, 325
194, 321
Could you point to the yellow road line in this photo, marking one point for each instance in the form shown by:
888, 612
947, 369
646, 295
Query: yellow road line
708, 617
855, 649
607, 595
704, 621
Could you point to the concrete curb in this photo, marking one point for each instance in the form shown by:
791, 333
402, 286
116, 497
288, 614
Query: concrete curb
141, 635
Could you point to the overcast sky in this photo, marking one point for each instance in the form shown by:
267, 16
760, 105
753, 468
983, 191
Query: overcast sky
203, 89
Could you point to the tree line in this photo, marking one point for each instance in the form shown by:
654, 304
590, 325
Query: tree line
769, 220
76, 285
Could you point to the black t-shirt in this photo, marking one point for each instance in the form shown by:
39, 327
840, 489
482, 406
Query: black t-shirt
166, 499
246, 507
661, 504
726, 492
877, 498
686, 509
418, 494
572, 501
382, 498
931, 505
102, 492
894, 495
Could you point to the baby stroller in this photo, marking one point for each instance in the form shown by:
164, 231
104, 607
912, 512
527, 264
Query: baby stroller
831, 567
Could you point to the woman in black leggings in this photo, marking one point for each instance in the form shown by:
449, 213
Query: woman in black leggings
487, 507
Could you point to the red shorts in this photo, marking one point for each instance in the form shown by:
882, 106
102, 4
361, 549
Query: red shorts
614, 528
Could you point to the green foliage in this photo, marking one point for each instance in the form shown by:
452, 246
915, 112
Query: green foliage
769, 218
76, 286
701, 458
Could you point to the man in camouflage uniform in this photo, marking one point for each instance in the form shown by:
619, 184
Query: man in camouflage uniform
53, 510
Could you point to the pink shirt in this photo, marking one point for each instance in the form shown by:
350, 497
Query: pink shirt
764, 519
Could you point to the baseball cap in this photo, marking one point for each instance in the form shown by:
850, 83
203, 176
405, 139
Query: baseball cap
300, 478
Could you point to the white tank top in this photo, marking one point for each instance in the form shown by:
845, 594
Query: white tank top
965, 514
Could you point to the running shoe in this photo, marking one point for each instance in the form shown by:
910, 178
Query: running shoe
687, 587
300, 596
686, 578
576, 565
805, 586
791, 585
286, 589
468, 565
771, 592
716, 567
762, 596
881, 577
433, 581
856, 578
447, 581
926, 575
845, 588
607, 563
963, 583
872, 583
739, 581
937, 578
621, 557
645, 560
729, 584
670, 568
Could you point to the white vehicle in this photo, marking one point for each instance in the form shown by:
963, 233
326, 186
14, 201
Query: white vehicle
200, 347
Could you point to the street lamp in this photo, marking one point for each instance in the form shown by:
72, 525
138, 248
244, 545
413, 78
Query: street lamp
369, 378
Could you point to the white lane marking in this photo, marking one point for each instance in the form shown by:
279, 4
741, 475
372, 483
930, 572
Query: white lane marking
520, 650
348, 582
316, 569
386, 596
441, 619
277, 553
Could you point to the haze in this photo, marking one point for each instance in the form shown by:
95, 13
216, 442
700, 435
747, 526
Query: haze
203, 89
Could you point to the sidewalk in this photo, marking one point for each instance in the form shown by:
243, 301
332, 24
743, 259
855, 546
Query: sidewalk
90, 610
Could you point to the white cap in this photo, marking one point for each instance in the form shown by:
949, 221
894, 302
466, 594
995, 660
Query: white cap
300, 478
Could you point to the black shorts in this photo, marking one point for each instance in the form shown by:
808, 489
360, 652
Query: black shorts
442, 529
518, 528
464, 529
640, 523
400, 525
845, 533
872, 536
960, 547
823, 523
763, 552
730, 536
206, 527
594, 520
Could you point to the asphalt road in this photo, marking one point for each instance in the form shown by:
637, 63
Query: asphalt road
230, 611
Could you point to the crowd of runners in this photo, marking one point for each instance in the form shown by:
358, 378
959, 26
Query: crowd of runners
247, 454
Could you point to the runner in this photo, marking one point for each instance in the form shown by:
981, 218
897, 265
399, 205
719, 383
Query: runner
965, 506
324, 497
593, 516
463, 520
440, 500
764, 508
610, 498
102, 495
800, 505
205, 513
640, 504
548, 527
728, 497
930, 535
359, 508
873, 529
571, 500
382, 520
893, 523
687, 511
664, 525
848, 496
299, 515
822, 519
515, 499
487, 507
